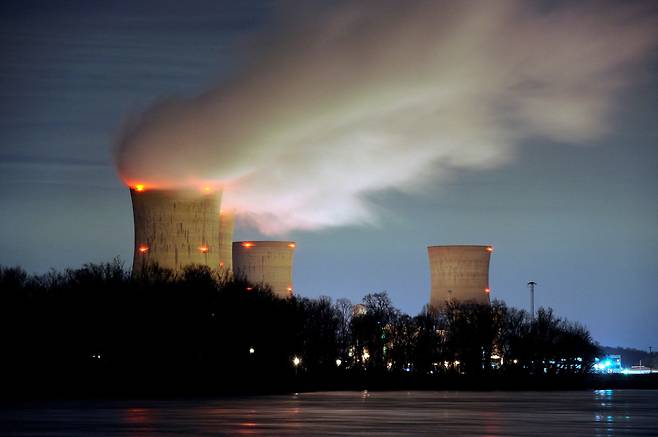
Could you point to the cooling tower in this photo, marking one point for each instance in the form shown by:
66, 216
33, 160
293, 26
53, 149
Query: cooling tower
226, 223
265, 262
459, 273
175, 228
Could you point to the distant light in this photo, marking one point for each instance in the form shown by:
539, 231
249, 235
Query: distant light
143, 248
296, 361
292, 245
206, 189
489, 248
139, 187
338, 362
248, 244
249, 288
366, 355
289, 289
221, 263
203, 249
252, 350
487, 290
515, 361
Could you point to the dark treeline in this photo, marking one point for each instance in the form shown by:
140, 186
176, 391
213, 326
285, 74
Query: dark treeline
98, 330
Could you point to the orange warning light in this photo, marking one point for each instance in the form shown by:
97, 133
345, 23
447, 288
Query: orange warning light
139, 187
247, 245
203, 249
292, 245
489, 248
143, 248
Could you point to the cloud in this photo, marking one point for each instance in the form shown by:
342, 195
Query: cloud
371, 96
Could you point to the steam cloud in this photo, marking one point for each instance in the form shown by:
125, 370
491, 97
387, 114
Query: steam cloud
379, 95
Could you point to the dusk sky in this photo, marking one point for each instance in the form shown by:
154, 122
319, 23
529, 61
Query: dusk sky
363, 133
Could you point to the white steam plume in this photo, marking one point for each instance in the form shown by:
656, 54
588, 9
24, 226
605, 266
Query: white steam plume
371, 96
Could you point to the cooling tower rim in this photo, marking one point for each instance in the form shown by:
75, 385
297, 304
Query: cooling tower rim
265, 242
461, 246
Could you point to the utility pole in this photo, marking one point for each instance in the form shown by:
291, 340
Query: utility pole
532, 284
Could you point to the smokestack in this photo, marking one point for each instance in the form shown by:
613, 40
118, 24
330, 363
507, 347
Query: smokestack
459, 273
175, 228
267, 263
226, 224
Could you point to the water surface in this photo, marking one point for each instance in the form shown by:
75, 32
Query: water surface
600, 412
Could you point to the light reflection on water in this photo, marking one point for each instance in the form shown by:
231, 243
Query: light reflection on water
600, 412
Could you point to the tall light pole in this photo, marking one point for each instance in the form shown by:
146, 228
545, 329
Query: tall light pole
532, 284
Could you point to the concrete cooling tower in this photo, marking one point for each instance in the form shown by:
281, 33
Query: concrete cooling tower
267, 263
175, 228
226, 223
459, 273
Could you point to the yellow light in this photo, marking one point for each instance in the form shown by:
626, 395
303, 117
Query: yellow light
292, 245
247, 245
206, 189
139, 187
143, 248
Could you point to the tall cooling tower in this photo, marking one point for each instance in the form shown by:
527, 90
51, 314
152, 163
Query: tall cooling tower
226, 223
459, 273
175, 228
266, 262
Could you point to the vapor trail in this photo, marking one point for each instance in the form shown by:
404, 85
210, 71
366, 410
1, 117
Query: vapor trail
369, 96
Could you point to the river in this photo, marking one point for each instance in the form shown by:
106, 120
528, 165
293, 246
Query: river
463, 413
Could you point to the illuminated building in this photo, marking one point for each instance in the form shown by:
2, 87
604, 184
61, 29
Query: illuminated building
266, 263
459, 273
175, 228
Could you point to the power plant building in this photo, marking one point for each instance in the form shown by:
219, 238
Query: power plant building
266, 263
176, 228
459, 273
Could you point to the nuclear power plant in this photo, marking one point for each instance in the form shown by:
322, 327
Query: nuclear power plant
459, 273
266, 262
175, 228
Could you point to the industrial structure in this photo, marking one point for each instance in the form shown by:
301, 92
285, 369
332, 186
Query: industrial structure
266, 263
175, 228
459, 273
226, 224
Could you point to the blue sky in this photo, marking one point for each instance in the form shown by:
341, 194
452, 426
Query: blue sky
581, 220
